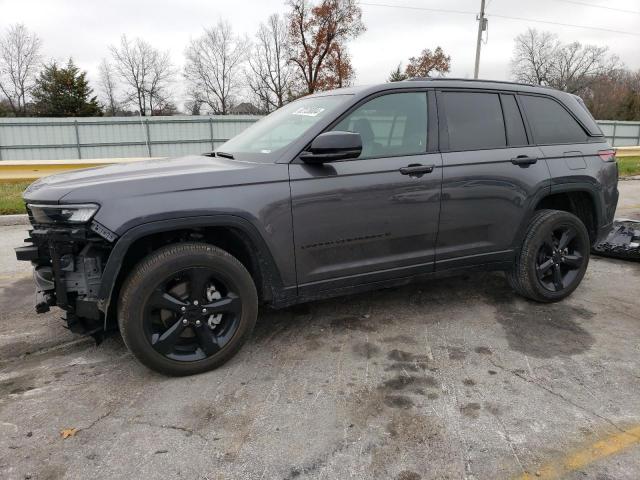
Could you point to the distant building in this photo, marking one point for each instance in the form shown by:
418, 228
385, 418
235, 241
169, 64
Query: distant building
245, 108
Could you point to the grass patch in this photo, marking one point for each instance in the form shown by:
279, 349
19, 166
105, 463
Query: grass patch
629, 166
11, 198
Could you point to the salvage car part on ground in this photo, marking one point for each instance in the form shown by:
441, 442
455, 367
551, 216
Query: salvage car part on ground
622, 242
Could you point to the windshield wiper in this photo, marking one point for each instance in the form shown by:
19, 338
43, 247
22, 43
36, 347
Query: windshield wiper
224, 155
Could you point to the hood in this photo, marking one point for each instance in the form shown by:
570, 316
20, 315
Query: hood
143, 178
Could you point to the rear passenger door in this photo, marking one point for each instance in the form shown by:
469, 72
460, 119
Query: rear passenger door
490, 175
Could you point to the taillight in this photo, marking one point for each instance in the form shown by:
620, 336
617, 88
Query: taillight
607, 155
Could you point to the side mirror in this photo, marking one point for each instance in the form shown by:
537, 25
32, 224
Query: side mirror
332, 146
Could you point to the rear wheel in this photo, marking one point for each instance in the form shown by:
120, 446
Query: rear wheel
554, 257
187, 308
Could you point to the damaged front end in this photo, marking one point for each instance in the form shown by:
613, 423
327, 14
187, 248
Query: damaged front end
68, 252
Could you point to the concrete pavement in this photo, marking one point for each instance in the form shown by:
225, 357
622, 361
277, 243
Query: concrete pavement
449, 379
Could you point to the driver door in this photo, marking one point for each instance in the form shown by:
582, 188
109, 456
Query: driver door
375, 217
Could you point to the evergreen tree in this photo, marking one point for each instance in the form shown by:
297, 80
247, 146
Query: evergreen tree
397, 75
64, 92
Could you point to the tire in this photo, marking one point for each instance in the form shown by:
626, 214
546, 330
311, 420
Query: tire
553, 258
161, 312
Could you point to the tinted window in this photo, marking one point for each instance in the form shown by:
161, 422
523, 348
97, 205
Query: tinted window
390, 125
516, 134
550, 122
474, 120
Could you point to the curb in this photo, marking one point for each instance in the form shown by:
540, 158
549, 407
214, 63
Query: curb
633, 177
8, 220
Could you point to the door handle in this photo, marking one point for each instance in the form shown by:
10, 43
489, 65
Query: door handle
416, 169
524, 160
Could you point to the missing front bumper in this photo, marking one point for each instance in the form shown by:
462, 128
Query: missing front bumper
68, 265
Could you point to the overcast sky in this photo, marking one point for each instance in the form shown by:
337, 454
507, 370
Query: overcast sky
85, 29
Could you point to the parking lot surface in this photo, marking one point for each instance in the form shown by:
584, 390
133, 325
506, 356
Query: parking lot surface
449, 379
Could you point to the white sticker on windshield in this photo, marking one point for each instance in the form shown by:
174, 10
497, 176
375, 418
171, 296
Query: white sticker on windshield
265, 151
309, 111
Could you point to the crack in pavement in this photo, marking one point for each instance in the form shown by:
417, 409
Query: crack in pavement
559, 395
97, 420
45, 350
179, 428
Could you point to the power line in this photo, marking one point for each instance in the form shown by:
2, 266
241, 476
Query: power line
548, 22
575, 2
407, 7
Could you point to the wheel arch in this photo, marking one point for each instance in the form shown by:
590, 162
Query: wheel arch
580, 199
229, 232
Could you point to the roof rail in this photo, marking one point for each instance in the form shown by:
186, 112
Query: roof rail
429, 79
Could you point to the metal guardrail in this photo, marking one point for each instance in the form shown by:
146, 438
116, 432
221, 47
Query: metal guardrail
628, 151
14, 171
28, 170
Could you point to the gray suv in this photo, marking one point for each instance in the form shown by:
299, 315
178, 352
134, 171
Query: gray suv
338, 192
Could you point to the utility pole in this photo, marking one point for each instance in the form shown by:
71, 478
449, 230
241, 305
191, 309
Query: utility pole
482, 26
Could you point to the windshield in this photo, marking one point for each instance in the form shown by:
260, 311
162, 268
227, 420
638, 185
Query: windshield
279, 129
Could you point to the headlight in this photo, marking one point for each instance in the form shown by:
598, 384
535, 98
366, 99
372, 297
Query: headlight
79, 213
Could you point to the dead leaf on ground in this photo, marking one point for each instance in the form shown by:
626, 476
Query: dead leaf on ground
68, 432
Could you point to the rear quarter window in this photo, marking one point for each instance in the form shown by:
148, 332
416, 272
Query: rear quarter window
550, 122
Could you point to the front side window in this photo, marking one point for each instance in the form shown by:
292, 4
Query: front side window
390, 125
474, 120
550, 122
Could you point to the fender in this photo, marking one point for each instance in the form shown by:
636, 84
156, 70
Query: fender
112, 268
594, 190
591, 188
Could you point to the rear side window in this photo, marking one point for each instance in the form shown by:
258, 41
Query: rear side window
474, 120
550, 122
516, 134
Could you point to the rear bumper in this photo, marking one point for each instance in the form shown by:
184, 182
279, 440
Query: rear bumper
67, 263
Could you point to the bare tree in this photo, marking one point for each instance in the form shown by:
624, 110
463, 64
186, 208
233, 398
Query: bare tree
146, 71
19, 59
270, 74
108, 88
213, 66
534, 57
540, 58
577, 66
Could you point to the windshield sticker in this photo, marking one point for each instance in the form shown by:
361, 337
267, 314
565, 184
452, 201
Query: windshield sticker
265, 151
309, 111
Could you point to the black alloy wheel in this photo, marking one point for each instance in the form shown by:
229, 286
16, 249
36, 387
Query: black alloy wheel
191, 315
553, 258
187, 308
560, 258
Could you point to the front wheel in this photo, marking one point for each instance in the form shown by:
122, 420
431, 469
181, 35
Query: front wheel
187, 308
553, 259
